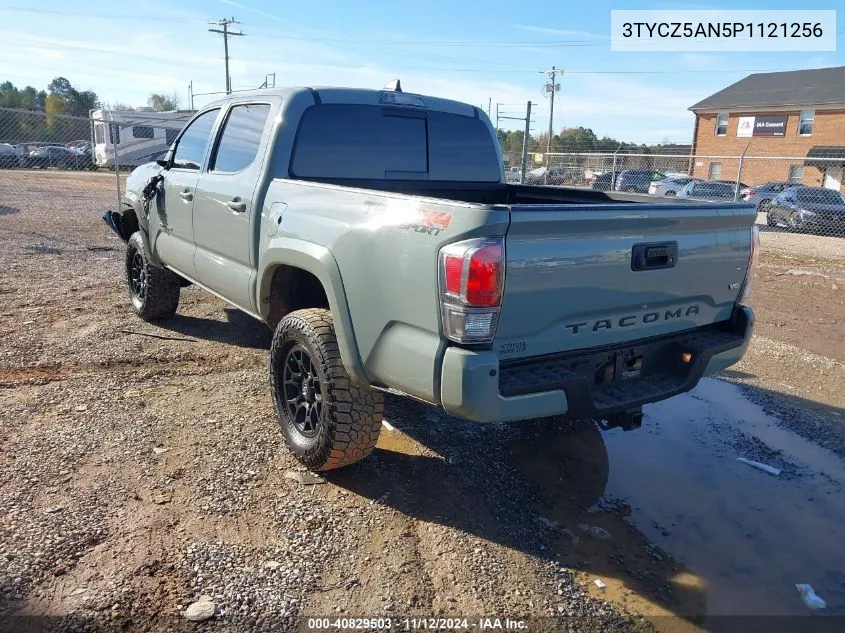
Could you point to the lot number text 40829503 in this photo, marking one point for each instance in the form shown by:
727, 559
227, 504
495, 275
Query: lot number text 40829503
415, 624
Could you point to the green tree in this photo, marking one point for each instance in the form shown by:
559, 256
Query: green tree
52, 106
76, 103
163, 103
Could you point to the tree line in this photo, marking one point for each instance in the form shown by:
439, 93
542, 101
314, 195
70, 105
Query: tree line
577, 140
50, 115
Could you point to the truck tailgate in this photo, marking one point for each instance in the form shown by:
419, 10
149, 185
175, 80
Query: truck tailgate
588, 276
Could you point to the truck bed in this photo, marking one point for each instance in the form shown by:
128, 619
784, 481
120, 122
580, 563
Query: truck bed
503, 193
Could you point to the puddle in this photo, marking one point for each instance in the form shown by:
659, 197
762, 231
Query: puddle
391, 439
728, 539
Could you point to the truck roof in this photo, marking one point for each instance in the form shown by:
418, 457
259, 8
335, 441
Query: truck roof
339, 95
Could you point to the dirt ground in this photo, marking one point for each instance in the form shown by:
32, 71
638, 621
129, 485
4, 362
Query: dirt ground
142, 467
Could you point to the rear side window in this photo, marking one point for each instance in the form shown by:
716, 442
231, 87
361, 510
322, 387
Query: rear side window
241, 137
373, 142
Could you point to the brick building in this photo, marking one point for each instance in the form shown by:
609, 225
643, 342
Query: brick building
797, 115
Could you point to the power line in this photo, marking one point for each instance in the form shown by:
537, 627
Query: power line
226, 23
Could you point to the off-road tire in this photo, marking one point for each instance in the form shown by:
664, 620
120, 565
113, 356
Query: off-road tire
350, 414
160, 298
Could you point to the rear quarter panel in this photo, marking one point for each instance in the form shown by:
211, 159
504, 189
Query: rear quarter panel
386, 251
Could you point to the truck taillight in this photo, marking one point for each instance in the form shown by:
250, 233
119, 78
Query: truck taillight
472, 279
745, 293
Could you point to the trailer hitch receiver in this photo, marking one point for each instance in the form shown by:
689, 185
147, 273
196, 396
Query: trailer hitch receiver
625, 420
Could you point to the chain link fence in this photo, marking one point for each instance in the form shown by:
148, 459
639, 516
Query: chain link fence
794, 194
52, 160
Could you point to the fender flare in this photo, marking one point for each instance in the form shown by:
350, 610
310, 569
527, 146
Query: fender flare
317, 260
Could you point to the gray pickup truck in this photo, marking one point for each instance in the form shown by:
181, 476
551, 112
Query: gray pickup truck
375, 232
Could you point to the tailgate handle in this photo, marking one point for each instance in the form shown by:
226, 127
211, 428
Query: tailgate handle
654, 256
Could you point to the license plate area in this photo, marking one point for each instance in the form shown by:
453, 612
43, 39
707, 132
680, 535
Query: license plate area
615, 379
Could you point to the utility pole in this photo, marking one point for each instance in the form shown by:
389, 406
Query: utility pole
489, 106
550, 88
525, 142
525, 138
225, 23
191, 93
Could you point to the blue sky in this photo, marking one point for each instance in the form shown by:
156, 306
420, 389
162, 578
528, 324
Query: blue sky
464, 49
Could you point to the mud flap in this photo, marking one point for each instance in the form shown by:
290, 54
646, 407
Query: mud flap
115, 225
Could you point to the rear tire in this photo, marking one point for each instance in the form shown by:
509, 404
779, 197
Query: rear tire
670, 193
770, 220
328, 421
153, 291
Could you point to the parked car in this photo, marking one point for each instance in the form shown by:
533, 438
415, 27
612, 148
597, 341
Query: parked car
738, 188
512, 174
8, 156
408, 295
763, 195
637, 180
57, 156
602, 181
669, 186
713, 191
557, 176
809, 208
78, 144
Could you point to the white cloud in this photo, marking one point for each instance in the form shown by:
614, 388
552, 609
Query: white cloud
558, 32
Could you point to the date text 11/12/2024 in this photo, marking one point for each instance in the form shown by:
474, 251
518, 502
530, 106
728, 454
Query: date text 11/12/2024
416, 624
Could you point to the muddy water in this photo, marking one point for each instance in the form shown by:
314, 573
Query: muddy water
693, 531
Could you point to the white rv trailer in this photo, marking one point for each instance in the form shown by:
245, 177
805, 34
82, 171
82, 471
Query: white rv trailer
138, 136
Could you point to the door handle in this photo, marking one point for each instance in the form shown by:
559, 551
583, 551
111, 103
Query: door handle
186, 195
236, 205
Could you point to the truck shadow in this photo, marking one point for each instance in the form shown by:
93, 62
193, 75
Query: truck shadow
535, 487
239, 329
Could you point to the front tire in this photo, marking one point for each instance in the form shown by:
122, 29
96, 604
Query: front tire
328, 421
154, 291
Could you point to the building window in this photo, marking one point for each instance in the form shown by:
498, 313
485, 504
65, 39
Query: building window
142, 131
805, 122
722, 124
796, 174
715, 171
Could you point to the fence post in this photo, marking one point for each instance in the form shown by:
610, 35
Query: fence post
116, 163
739, 172
613, 177
525, 143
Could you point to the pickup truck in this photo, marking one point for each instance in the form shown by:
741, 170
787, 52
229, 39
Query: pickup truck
375, 232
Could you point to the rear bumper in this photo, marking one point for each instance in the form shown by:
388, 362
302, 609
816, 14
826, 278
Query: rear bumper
475, 386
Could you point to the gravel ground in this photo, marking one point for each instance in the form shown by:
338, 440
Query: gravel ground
142, 468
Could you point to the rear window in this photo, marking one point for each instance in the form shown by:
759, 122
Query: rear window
375, 143
714, 190
820, 196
